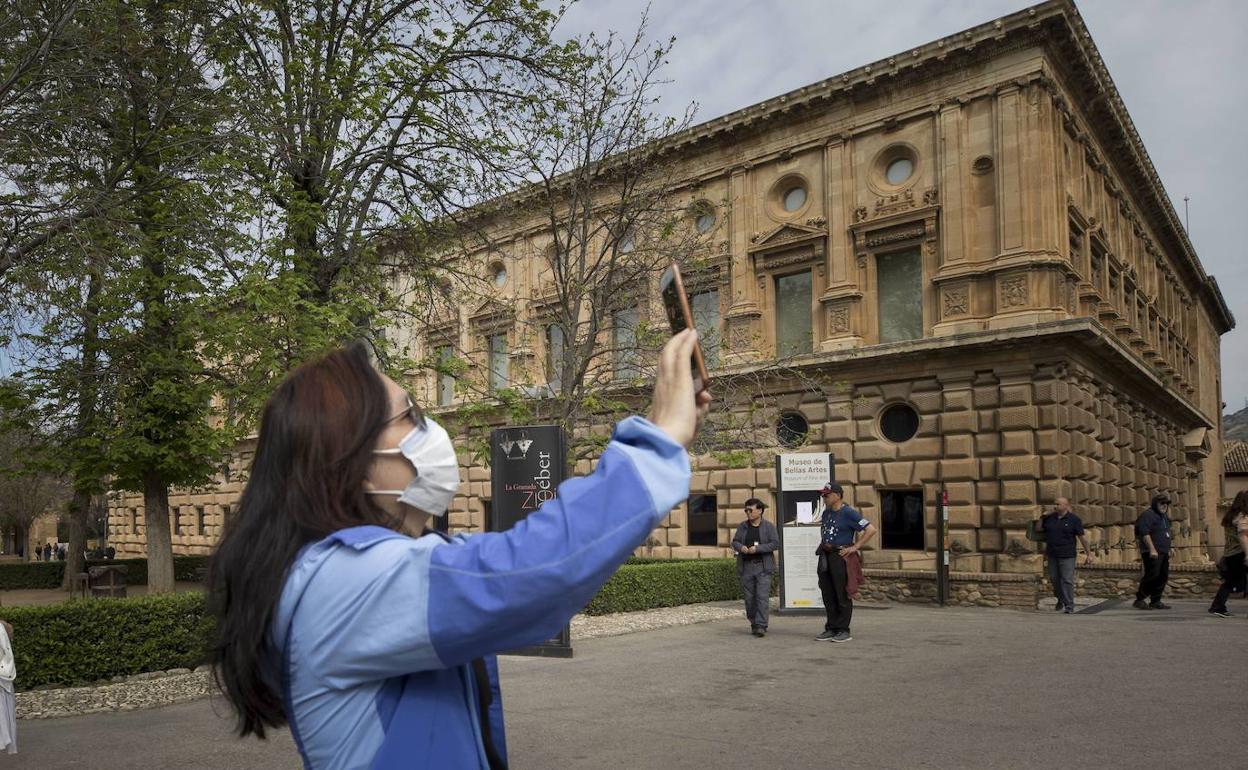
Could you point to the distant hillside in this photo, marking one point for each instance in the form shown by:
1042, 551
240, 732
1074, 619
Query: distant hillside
1235, 426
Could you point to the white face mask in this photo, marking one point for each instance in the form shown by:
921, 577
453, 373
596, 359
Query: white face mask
432, 455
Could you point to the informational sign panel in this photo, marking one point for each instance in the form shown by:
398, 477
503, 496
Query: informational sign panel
799, 504
528, 463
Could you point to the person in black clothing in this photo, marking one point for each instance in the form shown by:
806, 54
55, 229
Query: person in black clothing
1152, 530
1060, 528
756, 542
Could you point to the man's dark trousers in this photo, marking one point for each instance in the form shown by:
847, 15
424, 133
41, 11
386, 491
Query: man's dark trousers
834, 585
756, 587
1156, 573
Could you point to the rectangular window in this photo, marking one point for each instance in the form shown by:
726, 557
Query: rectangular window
703, 520
134, 521
624, 341
793, 316
498, 361
226, 513
175, 520
705, 307
446, 381
199, 520
900, 280
554, 357
901, 519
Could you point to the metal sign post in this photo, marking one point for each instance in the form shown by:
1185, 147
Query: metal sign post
942, 548
527, 465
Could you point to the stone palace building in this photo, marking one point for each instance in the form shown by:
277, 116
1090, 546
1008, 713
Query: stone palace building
971, 238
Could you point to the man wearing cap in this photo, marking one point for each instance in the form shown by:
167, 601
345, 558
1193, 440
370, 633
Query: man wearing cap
1152, 530
756, 542
839, 526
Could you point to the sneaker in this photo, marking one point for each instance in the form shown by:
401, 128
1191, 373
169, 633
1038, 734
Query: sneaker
1222, 613
1057, 607
1069, 610
1140, 604
826, 636
842, 636
760, 632
1159, 606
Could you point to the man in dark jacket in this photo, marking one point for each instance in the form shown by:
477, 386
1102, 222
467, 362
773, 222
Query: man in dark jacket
756, 542
1152, 530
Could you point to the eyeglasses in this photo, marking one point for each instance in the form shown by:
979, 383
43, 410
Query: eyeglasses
410, 411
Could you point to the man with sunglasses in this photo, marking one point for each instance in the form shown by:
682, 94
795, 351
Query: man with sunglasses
756, 542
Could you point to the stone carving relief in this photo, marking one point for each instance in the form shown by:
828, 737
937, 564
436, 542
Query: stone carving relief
838, 321
1014, 291
860, 214
896, 202
931, 196
957, 301
895, 234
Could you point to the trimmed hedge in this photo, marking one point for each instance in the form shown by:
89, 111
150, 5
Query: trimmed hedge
49, 574
667, 584
79, 642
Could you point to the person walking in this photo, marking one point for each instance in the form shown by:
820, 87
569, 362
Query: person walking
1152, 531
1060, 528
8, 702
340, 612
1232, 566
756, 542
838, 556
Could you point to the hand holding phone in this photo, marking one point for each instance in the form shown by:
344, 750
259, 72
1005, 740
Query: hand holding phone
680, 317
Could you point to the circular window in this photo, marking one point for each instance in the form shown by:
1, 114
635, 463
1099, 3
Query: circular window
794, 198
894, 168
499, 274
899, 170
792, 429
899, 423
627, 243
704, 222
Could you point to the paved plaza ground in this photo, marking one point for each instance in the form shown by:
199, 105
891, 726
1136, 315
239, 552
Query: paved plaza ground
917, 687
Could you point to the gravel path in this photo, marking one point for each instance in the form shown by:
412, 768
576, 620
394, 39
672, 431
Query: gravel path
162, 688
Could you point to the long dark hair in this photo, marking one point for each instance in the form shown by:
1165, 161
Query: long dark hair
317, 433
1238, 505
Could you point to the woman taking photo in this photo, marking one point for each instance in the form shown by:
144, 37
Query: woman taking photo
339, 614
1231, 565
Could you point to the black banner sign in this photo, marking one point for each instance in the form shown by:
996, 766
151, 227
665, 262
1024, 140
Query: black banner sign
527, 465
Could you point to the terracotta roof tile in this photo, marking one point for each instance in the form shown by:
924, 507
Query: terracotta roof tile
1235, 457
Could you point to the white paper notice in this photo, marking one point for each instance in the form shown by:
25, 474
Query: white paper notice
805, 513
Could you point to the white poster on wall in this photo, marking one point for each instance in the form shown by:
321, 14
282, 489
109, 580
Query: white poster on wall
801, 582
802, 472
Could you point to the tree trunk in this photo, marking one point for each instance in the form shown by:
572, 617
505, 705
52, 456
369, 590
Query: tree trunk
159, 538
79, 510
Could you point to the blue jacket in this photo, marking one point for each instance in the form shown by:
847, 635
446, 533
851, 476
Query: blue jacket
377, 631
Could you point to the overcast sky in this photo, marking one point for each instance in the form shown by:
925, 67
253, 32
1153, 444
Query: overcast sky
1181, 68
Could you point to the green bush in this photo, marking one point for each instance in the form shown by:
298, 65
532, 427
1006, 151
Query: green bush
79, 642
49, 574
666, 584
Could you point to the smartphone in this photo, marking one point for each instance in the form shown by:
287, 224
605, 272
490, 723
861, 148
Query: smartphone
680, 317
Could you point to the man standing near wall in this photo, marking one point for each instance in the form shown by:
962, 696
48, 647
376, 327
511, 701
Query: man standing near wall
756, 542
1152, 530
838, 555
1060, 528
